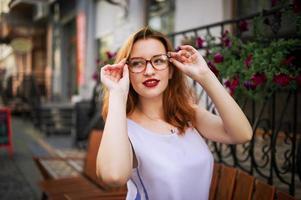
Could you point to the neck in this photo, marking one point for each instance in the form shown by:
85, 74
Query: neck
151, 108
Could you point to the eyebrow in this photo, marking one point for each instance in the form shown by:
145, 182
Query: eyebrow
150, 57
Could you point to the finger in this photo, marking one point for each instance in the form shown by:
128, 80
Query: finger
113, 69
177, 56
105, 76
177, 64
114, 74
192, 58
184, 53
109, 72
105, 71
184, 59
117, 74
121, 63
171, 54
125, 72
117, 65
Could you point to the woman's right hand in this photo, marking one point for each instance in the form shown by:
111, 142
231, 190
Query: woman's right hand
116, 77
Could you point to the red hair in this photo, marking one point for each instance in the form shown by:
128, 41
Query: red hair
178, 96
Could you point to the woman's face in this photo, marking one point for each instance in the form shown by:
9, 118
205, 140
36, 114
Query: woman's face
149, 83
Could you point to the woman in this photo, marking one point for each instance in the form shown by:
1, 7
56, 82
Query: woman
153, 135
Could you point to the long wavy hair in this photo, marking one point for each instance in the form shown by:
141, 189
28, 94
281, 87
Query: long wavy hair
178, 97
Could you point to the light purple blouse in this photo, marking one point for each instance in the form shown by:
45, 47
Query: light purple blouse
170, 166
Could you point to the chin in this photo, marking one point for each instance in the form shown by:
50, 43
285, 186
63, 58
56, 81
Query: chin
151, 93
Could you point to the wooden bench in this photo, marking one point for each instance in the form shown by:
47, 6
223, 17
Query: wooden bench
82, 185
229, 183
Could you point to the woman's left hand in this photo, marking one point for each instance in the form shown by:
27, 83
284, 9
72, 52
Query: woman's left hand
190, 61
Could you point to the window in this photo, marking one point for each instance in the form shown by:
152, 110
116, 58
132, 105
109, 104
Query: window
161, 15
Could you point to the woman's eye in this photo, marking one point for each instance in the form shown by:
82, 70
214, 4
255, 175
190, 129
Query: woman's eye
159, 61
137, 63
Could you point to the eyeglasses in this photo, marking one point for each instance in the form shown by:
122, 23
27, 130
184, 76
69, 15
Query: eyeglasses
137, 65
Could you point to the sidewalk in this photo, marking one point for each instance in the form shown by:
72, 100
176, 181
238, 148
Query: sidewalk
19, 176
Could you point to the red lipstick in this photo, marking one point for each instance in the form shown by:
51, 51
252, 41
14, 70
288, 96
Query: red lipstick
151, 83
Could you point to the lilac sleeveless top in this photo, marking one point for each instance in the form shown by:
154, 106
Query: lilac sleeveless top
170, 166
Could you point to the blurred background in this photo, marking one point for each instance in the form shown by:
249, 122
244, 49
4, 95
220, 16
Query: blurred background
51, 52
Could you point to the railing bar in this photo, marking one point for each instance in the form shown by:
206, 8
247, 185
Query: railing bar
274, 140
292, 186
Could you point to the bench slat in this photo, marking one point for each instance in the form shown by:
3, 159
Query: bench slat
244, 186
226, 183
263, 191
214, 181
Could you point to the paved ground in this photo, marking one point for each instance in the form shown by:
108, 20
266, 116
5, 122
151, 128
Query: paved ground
19, 176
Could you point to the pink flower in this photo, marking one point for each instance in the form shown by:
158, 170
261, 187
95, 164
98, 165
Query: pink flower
259, 79
225, 33
282, 79
249, 85
225, 40
256, 80
232, 85
235, 82
95, 76
218, 58
199, 42
213, 68
110, 55
243, 26
248, 60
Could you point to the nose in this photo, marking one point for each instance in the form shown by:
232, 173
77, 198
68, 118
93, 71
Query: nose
149, 69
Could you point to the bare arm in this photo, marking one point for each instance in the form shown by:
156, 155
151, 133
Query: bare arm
115, 156
231, 126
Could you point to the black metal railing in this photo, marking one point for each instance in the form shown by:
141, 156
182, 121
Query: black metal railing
272, 154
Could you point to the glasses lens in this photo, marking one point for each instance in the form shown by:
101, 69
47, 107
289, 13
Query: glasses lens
136, 64
160, 62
